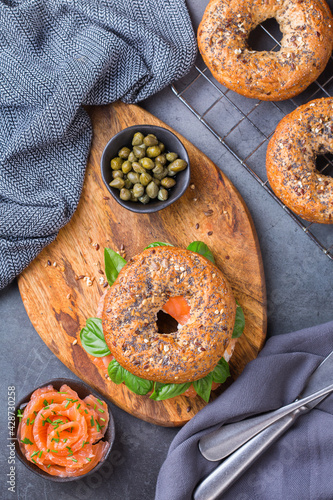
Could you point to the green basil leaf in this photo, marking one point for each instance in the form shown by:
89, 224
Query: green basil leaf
202, 249
203, 386
239, 322
138, 385
158, 244
113, 264
92, 338
118, 374
221, 371
166, 391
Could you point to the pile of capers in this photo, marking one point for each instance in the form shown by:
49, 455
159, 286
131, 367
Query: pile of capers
146, 172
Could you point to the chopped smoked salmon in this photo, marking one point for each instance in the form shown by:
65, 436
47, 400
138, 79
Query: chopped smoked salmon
61, 433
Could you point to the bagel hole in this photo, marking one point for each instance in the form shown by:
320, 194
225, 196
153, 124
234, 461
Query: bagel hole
324, 164
166, 323
260, 41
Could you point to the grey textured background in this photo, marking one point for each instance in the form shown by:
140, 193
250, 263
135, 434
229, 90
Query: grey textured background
299, 289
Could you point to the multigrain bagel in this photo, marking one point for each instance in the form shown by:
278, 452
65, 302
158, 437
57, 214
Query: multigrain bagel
291, 160
306, 45
143, 286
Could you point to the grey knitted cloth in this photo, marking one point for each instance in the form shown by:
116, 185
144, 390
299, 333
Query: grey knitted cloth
56, 55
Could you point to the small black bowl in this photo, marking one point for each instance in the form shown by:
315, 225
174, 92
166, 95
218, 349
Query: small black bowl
172, 144
82, 390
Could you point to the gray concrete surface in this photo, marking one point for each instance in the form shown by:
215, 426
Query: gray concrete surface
299, 290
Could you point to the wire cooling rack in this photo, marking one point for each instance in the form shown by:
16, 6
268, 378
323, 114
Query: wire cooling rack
244, 126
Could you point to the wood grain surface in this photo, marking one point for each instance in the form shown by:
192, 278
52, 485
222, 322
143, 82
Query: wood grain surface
211, 211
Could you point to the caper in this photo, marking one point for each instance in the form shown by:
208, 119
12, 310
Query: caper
177, 166
126, 167
133, 177
170, 172
152, 190
167, 182
133, 198
125, 194
153, 151
145, 179
158, 169
163, 194
128, 184
117, 173
132, 157
138, 168
147, 163
124, 152
161, 159
171, 157
150, 140
139, 151
131, 169
117, 183
137, 139
116, 163
138, 190
161, 175
144, 199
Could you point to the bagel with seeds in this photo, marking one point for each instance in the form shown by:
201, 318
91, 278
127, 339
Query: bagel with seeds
306, 45
291, 161
142, 288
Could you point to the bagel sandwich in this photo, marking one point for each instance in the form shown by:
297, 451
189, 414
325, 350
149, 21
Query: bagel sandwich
185, 284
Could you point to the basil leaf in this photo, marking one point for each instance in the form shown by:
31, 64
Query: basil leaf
92, 338
113, 264
219, 375
203, 386
166, 391
239, 322
138, 385
118, 374
221, 371
158, 244
202, 249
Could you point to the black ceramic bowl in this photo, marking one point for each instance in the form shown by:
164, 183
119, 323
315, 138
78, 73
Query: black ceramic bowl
172, 144
82, 390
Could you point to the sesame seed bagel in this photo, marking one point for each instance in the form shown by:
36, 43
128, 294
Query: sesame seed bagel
291, 160
141, 289
306, 45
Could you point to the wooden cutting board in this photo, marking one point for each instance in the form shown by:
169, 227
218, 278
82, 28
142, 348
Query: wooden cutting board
211, 210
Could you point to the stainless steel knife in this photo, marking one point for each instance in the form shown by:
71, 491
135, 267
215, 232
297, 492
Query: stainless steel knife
239, 461
219, 444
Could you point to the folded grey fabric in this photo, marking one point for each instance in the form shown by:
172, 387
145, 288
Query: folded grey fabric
55, 56
299, 465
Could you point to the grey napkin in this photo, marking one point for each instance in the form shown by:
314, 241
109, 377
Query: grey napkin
56, 55
299, 465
